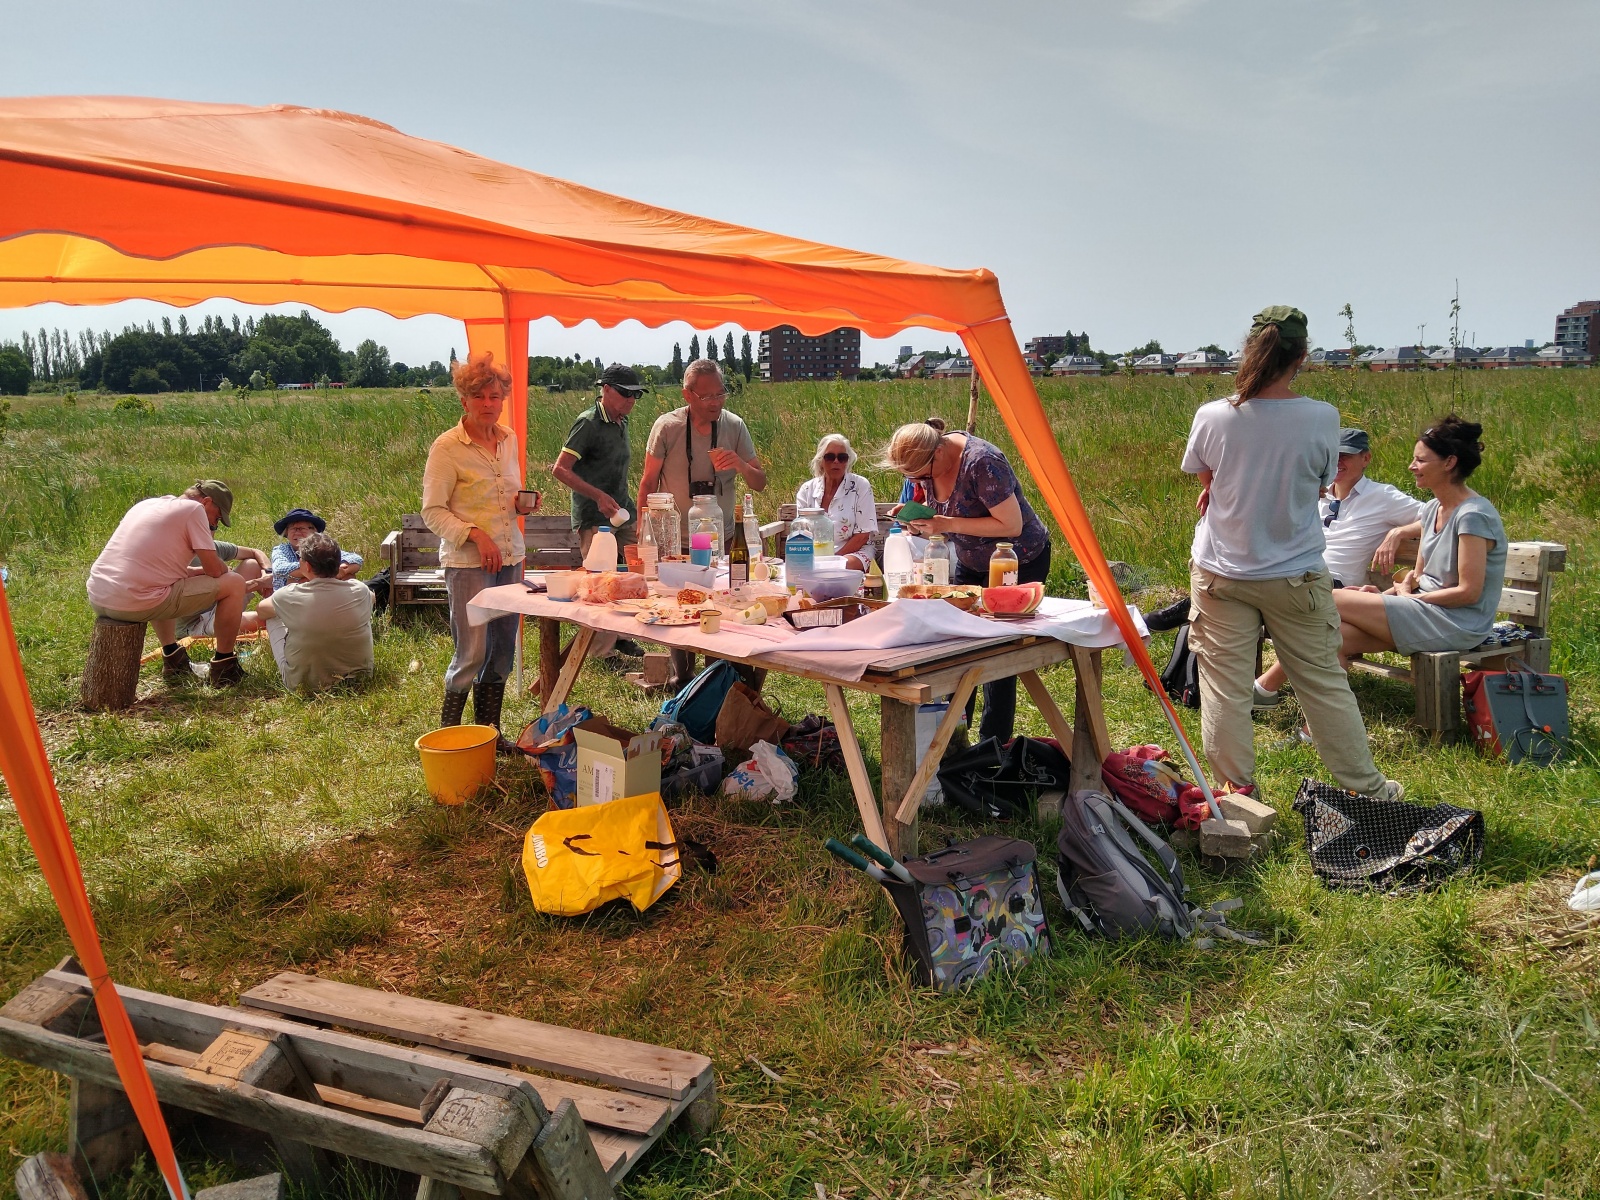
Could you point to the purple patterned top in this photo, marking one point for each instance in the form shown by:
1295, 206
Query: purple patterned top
984, 480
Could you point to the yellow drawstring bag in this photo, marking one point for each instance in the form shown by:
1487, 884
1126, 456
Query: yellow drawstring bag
576, 859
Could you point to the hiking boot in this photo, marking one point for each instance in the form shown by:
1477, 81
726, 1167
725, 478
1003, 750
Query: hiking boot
455, 703
629, 648
1169, 616
1392, 789
175, 667
1264, 699
225, 672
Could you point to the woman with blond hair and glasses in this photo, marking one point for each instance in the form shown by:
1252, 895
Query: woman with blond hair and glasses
471, 498
1263, 456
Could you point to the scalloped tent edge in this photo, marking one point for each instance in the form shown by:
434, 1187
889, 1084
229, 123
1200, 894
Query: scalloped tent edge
114, 198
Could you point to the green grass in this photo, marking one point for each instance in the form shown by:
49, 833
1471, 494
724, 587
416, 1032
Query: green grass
1442, 1045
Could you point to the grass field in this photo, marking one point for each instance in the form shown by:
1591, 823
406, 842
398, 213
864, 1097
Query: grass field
1438, 1045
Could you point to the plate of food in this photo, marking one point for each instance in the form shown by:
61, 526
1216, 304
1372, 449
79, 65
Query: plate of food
672, 615
963, 596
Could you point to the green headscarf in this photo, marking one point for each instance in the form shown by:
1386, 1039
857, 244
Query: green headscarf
1291, 322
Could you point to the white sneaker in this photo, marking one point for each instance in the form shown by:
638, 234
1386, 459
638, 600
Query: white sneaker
1392, 789
1264, 698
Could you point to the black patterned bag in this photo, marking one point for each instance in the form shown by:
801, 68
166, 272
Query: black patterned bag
1387, 845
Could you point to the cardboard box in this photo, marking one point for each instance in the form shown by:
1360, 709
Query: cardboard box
614, 763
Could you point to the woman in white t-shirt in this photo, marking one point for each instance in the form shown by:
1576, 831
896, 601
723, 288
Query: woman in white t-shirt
846, 497
1262, 456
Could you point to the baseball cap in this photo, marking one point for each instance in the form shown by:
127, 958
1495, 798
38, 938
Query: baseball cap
219, 494
624, 379
1354, 441
298, 514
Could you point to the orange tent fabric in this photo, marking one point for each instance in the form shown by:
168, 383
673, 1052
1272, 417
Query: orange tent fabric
105, 199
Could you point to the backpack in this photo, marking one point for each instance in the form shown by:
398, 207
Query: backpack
1181, 679
1107, 878
697, 706
1390, 846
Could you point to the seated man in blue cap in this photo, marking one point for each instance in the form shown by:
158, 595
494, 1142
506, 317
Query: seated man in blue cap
295, 526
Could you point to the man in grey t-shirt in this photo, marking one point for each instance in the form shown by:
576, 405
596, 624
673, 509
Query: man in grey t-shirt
701, 443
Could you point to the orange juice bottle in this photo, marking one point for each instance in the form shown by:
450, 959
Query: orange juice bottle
1003, 565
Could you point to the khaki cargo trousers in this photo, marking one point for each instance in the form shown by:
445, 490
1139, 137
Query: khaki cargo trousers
1226, 616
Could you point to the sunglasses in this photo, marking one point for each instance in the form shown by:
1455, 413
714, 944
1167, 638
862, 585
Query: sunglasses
834, 456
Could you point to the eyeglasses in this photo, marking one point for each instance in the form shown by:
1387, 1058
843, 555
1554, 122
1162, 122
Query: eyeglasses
833, 456
710, 396
1333, 512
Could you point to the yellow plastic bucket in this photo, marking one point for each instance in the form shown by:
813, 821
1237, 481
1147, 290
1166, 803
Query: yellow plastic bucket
457, 761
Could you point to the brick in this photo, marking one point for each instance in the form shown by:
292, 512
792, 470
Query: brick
1225, 839
1259, 818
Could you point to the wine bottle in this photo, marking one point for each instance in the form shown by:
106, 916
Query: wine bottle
739, 557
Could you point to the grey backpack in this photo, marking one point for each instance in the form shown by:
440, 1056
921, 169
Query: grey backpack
1118, 879
1107, 877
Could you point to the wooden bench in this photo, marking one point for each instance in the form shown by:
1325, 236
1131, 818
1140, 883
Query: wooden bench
775, 533
412, 554
434, 1109
1525, 599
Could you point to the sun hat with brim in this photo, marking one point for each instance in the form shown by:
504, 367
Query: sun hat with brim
219, 494
298, 514
624, 379
1291, 322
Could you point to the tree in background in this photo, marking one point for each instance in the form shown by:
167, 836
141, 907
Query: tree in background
711, 347
1150, 347
677, 362
746, 364
369, 367
694, 347
727, 351
16, 372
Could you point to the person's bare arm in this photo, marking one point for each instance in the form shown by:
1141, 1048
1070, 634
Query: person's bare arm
1472, 560
649, 477
265, 609
1383, 557
1204, 502
1004, 521
563, 474
260, 557
210, 563
749, 469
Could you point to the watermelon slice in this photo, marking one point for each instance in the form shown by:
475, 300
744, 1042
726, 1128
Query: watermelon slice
1016, 599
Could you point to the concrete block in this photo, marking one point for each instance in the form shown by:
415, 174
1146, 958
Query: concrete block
262, 1187
1225, 839
1258, 817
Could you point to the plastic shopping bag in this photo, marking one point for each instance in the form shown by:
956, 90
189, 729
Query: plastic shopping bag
768, 774
549, 741
576, 859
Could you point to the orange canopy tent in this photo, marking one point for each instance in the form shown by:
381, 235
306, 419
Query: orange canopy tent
108, 199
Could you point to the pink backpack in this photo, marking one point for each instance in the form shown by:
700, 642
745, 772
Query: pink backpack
1145, 779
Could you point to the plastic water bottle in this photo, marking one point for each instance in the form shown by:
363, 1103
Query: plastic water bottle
899, 568
602, 554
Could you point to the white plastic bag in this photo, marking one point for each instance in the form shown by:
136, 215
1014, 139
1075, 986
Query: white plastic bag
1586, 896
768, 774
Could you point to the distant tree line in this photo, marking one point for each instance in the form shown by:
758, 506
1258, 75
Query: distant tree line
176, 357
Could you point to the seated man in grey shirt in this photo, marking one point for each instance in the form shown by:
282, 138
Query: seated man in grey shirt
321, 629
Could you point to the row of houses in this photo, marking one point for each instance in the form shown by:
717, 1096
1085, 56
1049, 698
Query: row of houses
1397, 358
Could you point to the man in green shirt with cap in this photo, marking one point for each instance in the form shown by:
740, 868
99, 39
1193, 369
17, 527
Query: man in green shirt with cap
594, 462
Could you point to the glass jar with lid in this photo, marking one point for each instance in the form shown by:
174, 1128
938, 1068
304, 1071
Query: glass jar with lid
666, 524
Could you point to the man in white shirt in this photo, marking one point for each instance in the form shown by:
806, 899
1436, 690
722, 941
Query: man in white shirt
1358, 516
321, 629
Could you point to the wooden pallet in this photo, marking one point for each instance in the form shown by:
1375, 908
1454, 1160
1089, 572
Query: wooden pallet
466, 1128
642, 1089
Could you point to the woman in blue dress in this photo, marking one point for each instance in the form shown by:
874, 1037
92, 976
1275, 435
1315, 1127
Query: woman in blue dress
1449, 599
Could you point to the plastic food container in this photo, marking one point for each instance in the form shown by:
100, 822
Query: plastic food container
826, 585
682, 574
562, 585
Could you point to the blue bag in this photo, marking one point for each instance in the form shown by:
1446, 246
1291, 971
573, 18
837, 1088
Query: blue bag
549, 742
697, 705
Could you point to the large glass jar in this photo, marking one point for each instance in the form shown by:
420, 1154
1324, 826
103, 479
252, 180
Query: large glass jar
666, 523
703, 506
822, 531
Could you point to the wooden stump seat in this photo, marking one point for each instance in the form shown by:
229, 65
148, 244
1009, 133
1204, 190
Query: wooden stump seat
111, 673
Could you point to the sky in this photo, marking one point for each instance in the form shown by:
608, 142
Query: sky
1145, 169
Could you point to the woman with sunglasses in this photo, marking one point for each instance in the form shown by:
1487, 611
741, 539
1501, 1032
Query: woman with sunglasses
1449, 599
977, 504
846, 497
1262, 456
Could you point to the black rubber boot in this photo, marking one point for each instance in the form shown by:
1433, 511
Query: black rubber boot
488, 697
454, 705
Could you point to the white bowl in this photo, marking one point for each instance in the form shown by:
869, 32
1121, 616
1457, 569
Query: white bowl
681, 575
826, 584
